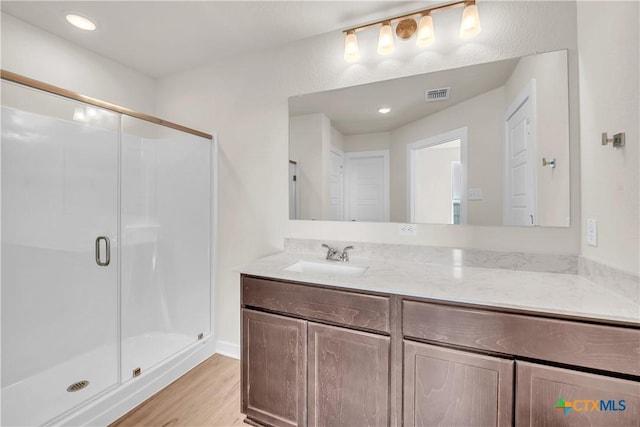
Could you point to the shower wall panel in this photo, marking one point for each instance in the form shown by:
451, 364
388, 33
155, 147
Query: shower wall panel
166, 197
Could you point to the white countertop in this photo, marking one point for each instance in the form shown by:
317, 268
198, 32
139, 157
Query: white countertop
563, 294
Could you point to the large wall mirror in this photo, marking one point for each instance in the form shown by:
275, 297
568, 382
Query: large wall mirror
486, 144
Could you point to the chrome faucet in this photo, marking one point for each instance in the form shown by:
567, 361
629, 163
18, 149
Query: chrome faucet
333, 255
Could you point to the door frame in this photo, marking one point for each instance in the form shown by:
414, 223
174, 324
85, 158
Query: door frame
347, 194
339, 152
412, 148
528, 92
293, 190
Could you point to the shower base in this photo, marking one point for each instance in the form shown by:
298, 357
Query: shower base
41, 398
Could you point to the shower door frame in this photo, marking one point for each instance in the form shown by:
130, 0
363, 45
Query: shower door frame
114, 402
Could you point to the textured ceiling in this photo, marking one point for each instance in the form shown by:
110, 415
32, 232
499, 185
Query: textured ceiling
159, 38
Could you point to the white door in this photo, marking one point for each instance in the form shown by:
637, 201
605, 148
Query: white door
336, 186
520, 183
293, 190
368, 186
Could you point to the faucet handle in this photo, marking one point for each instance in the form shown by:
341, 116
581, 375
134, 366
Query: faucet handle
345, 256
330, 251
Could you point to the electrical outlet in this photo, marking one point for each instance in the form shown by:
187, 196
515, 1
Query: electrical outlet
474, 194
592, 232
407, 229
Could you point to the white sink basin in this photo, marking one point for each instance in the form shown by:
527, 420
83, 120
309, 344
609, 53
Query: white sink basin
327, 268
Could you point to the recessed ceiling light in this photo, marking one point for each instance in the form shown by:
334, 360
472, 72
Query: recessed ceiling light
81, 22
384, 110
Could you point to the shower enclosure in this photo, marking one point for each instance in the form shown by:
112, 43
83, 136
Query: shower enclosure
106, 250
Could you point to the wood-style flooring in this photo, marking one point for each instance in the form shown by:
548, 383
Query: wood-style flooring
208, 395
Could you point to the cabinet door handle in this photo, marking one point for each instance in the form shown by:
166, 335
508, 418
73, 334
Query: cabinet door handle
108, 251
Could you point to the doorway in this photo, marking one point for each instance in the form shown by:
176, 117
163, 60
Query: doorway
437, 171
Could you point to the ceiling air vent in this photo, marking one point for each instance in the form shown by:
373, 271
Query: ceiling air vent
437, 94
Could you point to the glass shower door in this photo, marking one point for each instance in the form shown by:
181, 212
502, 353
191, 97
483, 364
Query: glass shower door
59, 254
166, 198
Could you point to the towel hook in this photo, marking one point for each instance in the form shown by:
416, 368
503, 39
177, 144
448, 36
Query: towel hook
550, 162
617, 140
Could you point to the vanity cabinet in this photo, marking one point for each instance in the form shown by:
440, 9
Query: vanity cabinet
323, 356
297, 371
443, 375
348, 374
445, 387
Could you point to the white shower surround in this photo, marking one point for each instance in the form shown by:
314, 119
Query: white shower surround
51, 351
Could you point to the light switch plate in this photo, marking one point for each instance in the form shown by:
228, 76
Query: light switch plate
592, 232
407, 229
474, 194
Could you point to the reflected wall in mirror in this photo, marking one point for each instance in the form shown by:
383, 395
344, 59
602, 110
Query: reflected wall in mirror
486, 144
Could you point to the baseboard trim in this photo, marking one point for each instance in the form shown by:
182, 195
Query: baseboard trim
228, 349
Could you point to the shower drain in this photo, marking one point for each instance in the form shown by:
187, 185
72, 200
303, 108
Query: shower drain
77, 386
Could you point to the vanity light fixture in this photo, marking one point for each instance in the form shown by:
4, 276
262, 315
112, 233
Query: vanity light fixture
384, 110
385, 40
426, 35
406, 28
81, 22
470, 26
351, 48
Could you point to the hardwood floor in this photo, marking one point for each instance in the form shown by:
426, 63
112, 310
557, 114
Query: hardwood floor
208, 395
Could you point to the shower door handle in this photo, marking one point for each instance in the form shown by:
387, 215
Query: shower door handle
107, 250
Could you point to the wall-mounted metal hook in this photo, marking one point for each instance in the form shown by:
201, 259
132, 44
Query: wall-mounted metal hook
617, 140
550, 162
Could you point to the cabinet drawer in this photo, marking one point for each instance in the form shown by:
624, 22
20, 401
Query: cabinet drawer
609, 348
339, 307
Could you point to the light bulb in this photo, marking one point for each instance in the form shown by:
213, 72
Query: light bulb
385, 41
79, 114
81, 22
426, 35
351, 48
470, 25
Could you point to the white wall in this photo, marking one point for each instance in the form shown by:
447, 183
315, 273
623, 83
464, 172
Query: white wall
482, 115
609, 96
245, 100
337, 139
310, 145
367, 142
37, 54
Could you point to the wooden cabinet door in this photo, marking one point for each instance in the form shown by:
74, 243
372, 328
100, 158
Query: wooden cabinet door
273, 368
444, 387
348, 377
555, 397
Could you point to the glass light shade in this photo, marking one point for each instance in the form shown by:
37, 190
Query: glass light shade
351, 48
385, 41
426, 35
81, 22
470, 25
